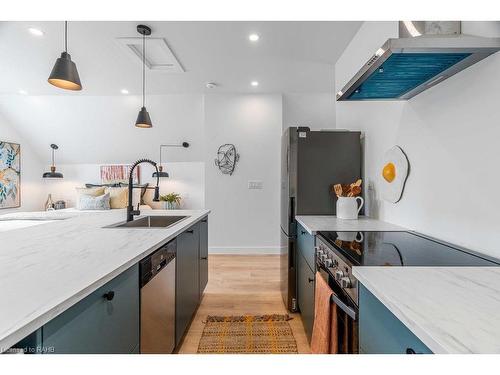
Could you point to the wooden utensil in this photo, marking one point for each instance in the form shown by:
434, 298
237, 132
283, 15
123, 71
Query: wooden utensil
351, 190
355, 190
338, 189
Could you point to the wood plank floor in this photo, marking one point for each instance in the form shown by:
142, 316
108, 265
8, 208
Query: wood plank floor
238, 285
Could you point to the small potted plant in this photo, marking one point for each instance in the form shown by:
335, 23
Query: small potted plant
170, 201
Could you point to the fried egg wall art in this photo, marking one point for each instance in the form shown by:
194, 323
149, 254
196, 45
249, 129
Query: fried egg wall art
394, 172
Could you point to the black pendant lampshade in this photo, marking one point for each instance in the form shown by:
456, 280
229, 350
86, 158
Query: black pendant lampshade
64, 73
53, 173
143, 119
160, 172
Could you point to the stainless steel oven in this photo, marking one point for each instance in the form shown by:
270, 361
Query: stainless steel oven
338, 252
336, 273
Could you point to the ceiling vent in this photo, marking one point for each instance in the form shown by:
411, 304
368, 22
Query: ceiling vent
159, 56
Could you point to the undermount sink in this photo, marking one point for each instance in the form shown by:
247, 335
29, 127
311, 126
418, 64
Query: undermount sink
149, 222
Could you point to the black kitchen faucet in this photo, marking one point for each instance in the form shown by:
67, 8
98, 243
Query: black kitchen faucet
130, 208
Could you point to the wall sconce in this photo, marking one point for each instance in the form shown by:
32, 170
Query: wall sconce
161, 173
53, 173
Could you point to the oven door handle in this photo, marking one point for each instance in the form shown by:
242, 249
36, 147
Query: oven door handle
348, 310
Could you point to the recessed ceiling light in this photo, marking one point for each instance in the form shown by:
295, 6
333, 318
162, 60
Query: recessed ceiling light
253, 37
124, 91
211, 85
23, 92
35, 31
254, 83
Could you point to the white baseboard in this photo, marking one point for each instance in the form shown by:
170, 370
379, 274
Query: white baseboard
244, 250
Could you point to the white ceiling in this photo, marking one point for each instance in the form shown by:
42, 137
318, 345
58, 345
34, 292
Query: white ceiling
289, 57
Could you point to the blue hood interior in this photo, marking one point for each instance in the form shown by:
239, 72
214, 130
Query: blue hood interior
402, 72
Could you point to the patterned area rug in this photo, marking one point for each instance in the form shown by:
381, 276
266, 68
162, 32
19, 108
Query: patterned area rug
261, 334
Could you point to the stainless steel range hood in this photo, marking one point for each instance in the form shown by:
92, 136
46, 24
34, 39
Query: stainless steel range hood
425, 54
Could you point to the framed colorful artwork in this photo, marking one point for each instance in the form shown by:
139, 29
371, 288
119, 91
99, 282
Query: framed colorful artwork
114, 174
10, 175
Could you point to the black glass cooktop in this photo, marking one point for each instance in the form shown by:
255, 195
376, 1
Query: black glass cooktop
399, 249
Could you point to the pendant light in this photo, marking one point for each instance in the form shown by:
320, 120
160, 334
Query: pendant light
160, 173
64, 73
53, 173
143, 119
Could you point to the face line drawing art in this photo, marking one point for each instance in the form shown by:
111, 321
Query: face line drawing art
227, 157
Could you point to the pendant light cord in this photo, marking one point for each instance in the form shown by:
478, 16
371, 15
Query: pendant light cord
66, 36
143, 69
53, 151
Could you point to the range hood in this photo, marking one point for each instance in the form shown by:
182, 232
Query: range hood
426, 53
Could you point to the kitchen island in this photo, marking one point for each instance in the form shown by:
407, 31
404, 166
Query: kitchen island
448, 309
46, 269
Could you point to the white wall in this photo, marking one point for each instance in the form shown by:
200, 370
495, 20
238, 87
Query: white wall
32, 197
100, 129
316, 110
244, 220
450, 134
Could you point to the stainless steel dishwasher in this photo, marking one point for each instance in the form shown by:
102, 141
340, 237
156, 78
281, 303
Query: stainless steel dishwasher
157, 281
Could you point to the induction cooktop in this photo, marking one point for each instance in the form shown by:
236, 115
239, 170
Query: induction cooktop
400, 249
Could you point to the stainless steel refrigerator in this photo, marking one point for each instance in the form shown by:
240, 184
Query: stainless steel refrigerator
311, 162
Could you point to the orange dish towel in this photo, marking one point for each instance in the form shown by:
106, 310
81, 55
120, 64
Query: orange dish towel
324, 334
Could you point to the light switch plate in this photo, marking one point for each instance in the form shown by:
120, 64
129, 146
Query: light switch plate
255, 185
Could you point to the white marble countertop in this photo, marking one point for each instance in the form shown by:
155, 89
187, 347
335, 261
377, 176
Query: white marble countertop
450, 309
315, 223
45, 269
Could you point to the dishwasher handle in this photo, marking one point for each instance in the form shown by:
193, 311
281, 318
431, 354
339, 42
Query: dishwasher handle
154, 264
162, 264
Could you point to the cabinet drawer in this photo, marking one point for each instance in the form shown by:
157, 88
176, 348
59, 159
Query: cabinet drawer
380, 332
96, 325
305, 294
305, 244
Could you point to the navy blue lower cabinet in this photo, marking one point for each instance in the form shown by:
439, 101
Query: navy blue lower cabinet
305, 294
305, 244
187, 281
380, 332
106, 321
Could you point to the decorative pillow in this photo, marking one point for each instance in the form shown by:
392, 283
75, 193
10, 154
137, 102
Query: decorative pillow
88, 202
136, 197
92, 192
148, 199
143, 188
118, 197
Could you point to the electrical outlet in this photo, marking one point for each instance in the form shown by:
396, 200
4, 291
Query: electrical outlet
255, 185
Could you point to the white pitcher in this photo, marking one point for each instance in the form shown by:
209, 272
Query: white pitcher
347, 207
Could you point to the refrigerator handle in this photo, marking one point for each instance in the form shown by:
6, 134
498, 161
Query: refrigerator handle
287, 161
